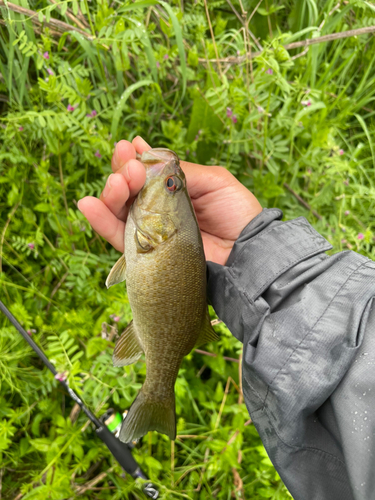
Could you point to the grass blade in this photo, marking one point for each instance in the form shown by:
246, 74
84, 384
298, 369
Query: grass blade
180, 43
365, 129
122, 101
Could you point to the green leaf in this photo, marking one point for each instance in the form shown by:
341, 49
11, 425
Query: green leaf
42, 207
64, 8
138, 5
41, 444
95, 345
122, 101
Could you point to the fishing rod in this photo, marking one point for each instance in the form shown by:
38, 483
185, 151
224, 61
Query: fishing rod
121, 451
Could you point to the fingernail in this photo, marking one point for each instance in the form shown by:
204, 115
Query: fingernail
107, 188
79, 208
125, 170
144, 142
116, 158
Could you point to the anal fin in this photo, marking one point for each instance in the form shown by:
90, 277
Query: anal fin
207, 333
117, 273
128, 349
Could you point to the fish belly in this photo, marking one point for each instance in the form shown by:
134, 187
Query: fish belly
167, 293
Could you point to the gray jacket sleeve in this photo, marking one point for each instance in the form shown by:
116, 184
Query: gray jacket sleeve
307, 322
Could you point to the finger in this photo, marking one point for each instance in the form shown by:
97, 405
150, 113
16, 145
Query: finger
124, 151
140, 145
202, 179
103, 221
135, 175
115, 195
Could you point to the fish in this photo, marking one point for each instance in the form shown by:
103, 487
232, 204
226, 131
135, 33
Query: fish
165, 271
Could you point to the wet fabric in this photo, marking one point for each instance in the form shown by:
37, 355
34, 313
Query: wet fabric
307, 322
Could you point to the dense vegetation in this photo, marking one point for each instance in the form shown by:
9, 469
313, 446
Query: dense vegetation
212, 81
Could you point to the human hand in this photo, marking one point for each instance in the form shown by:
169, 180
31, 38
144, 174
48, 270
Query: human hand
223, 206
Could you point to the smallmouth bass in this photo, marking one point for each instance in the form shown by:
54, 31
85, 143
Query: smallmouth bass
165, 272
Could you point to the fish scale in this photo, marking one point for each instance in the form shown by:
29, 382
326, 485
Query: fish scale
165, 271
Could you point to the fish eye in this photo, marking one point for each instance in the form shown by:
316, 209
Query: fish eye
173, 183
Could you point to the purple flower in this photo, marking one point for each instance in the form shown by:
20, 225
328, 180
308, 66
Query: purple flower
306, 103
157, 64
347, 212
346, 182
166, 56
97, 154
30, 332
20, 129
46, 55
198, 134
116, 319
93, 113
31, 246
50, 72
70, 107
341, 152
260, 109
229, 112
61, 376
360, 236
115, 143
238, 52
343, 241
234, 119
269, 71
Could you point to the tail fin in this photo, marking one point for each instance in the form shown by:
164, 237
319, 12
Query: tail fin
149, 414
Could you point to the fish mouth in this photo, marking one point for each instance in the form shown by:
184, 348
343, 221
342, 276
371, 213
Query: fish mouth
157, 159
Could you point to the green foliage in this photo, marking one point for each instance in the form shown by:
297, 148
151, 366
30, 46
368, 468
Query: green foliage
286, 123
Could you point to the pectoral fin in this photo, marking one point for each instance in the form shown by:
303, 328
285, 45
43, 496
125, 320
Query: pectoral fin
117, 274
128, 349
207, 333
142, 243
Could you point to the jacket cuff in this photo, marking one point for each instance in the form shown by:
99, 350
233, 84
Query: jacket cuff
265, 249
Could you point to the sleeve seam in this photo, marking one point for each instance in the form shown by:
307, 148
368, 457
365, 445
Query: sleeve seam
289, 223
287, 266
301, 258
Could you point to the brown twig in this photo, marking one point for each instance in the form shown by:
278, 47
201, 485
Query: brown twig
3, 234
296, 45
71, 16
74, 413
56, 288
54, 23
245, 25
213, 355
213, 37
216, 322
302, 201
88, 486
